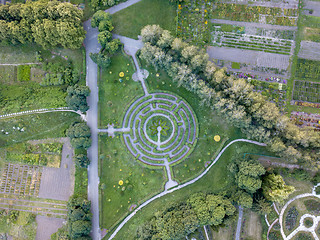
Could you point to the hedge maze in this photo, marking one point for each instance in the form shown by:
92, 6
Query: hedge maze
163, 129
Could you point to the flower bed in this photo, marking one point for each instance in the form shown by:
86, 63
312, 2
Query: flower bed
291, 218
245, 13
192, 21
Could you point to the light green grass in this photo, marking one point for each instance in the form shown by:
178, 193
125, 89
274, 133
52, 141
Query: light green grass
139, 182
131, 20
114, 96
218, 179
36, 126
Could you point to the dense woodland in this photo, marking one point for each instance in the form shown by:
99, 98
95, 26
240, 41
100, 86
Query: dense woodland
47, 23
234, 98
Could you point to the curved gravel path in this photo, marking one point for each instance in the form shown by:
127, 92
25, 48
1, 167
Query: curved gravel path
180, 186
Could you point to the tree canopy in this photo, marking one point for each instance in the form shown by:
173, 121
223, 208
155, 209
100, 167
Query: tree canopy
79, 134
234, 98
184, 218
47, 23
77, 97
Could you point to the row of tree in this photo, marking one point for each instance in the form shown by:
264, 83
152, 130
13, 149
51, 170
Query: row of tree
47, 23
80, 135
234, 98
109, 46
78, 221
181, 219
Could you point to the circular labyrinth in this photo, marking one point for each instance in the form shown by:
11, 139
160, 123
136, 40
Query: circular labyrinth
163, 129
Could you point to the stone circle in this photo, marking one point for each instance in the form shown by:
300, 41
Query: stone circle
163, 129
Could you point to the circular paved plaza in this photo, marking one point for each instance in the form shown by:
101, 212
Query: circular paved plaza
163, 129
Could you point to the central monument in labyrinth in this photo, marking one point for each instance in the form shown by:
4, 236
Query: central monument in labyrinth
163, 129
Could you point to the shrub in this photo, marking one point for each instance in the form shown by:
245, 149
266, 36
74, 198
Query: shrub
23, 73
308, 222
313, 206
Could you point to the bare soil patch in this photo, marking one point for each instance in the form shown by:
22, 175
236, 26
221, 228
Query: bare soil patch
57, 183
47, 226
309, 50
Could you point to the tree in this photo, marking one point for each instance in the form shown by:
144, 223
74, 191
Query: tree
98, 17
104, 37
101, 59
80, 228
275, 189
79, 134
263, 206
243, 198
82, 160
77, 97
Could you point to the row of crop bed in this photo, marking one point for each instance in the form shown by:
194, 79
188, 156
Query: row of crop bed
245, 13
306, 91
251, 42
192, 21
308, 69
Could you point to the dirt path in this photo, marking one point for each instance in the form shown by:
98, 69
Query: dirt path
253, 24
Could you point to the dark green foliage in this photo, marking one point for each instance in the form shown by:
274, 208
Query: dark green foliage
79, 134
303, 236
313, 206
262, 206
308, 222
102, 20
77, 97
243, 198
23, 73
308, 69
47, 23
59, 73
179, 220
100, 59
82, 160
316, 179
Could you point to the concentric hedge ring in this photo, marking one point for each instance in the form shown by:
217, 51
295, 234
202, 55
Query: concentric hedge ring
181, 120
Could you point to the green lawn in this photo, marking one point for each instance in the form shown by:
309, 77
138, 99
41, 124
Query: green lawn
115, 96
36, 126
129, 21
218, 179
139, 182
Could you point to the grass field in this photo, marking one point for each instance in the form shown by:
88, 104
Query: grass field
36, 126
129, 21
139, 182
114, 96
218, 179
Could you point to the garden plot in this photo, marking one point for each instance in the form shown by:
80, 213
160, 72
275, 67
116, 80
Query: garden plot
192, 21
270, 4
257, 58
252, 42
309, 50
22, 180
308, 69
266, 15
312, 8
306, 119
306, 91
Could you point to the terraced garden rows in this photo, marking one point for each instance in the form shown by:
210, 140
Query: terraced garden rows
22, 180
252, 42
306, 91
156, 150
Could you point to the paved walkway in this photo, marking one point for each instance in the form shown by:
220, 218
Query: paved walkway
180, 186
253, 24
43, 110
92, 46
238, 232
